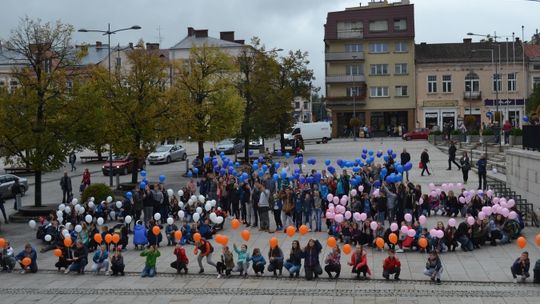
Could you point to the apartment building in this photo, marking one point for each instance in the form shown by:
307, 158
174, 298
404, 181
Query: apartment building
369, 56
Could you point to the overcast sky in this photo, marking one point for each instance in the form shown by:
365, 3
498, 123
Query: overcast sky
287, 24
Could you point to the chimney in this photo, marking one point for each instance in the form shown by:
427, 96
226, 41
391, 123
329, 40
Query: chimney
227, 36
240, 41
152, 46
98, 44
423, 43
190, 31
201, 33
467, 40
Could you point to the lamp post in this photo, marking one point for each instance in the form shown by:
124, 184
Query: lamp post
353, 91
109, 32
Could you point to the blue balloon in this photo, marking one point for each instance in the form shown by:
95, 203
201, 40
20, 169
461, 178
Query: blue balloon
301, 179
389, 151
162, 178
309, 179
358, 179
245, 175
386, 158
327, 162
222, 153
317, 176
355, 169
394, 155
408, 166
287, 155
261, 173
370, 152
364, 156
222, 172
370, 160
255, 167
190, 174
196, 170
364, 151
399, 168
230, 170
129, 195
265, 167
206, 159
525, 118
143, 173
142, 185
384, 170
279, 153
376, 184
283, 174
379, 154
389, 179
276, 165
339, 162
250, 152
275, 177
331, 169
237, 164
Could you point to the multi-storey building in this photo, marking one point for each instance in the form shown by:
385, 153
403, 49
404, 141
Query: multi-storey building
302, 109
468, 82
369, 55
532, 53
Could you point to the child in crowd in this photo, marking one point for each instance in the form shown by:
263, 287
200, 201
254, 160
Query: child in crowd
359, 262
227, 262
391, 265
101, 260
258, 262
181, 259
333, 263
242, 264
151, 254
434, 267
169, 232
117, 263
521, 267
28, 252
7, 258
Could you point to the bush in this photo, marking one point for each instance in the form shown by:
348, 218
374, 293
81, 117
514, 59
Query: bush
474, 132
455, 132
98, 191
516, 132
437, 132
487, 132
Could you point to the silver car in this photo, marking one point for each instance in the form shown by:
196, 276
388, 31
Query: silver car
167, 154
230, 146
7, 180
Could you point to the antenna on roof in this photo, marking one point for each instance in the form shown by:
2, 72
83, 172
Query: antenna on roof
159, 34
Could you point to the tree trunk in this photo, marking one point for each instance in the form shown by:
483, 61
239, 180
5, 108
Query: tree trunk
282, 141
37, 187
134, 170
246, 148
99, 152
200, 145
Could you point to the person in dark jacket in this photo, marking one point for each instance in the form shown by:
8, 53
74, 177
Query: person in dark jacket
465, 166
463, 236
79, 260
275, 260
117, 263
405, 157
30, 253
294, 262
452, 156
424, 159
312, 266
434, 267
521, 267
481, 164
65, 185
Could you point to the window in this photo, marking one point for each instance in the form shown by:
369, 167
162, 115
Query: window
355, 91
472, 83
354, 69
447, 83
306, 105
497, 82
536, 81
401, 69
536, 67
297, 105
350, 29
13, 85
69, 86
378, 26
400, 25
402, 47
353, 48
378, 47
378, 69
118, 64
402, 91
2, 83
512, 82
432, 83
378, 91
47, 66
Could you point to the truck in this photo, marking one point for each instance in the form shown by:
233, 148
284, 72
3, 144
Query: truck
317, 132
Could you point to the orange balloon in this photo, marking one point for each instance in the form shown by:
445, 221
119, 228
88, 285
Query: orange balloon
331, 242
521, 242
291, 231
2, 243
273, 242
178, 235
218, 238
225, 240
379, 242
97, 238
538, 239
68, 242
422, 242
156, 230
57, 253
116, 238
303, 229
26, 261
235, 224
245, 235
393, 238
347, 249
197, 237
108, 238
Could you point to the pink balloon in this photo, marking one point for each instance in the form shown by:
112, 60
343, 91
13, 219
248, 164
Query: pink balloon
373, 225
335, 200
512, 215
356, 216
440, 234
420, 201
394, 227
348, 214
481, 215
338, 218
431, 186
438, 191
330, 215
340, 209
331, 206
452, 222
411, 233
330, 197
470, 220
444, 187
459, 186
404, 229
361, 188
363, 216
376, 193
422, 219
433, 194
433, 232
462, 200
487, 210
503, 204
505, 212
466, 193
408, 217
451, 186
489, 193
353, 192
510, 203
495, 200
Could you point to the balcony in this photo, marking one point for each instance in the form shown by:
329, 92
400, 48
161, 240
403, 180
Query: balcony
345, 78
343, 56
475, 95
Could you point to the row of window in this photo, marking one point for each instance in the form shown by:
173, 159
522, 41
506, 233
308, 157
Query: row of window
378, 47
400, 91
472, 83
376, 69
355, 29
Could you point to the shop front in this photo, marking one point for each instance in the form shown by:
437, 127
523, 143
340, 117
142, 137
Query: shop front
440, 113
511, 109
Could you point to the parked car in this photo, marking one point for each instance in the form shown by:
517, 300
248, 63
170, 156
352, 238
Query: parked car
167, 154
419, 133
256, 143
230, 146
7, 180
123, 165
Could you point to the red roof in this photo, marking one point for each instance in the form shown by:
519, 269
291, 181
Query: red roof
532, 51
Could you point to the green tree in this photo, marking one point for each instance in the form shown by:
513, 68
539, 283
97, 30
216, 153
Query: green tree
533, 102
208, 102
37, 119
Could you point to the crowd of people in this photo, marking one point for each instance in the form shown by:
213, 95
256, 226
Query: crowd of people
368, 204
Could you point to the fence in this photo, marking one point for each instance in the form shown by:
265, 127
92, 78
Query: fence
531, 138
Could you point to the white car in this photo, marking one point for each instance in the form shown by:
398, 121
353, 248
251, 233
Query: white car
167, 154
230, 146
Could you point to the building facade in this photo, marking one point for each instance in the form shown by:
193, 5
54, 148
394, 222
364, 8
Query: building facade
532, 52
369, 56
302, 109
457, 83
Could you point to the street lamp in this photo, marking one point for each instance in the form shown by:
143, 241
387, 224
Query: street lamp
353, 91
109, 32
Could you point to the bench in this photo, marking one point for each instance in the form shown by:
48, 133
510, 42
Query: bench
93, 158
18, 170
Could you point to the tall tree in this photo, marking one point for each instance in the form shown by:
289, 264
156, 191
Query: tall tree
38, 118
208, 102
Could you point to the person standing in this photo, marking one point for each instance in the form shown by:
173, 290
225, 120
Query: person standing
3, 209
85, 179
481, 164
148, 204
424, 160
507, 127
521, 267
465, 166
264, 207
72, 159
405, 157
452, 156
65, 185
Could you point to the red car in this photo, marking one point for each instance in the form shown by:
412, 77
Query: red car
122, 165
420, 133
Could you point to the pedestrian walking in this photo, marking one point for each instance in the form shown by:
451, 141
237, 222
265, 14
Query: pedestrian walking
72, 159
465, 166
85, 180
405, 157
424, 160
65, 185
481, 164
452, 156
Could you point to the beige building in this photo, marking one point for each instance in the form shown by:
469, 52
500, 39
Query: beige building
456, 83
369, 55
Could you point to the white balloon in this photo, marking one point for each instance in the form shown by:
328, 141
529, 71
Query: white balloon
170, 192
202, 198
213, 203
219, 219
112, 214
88, 218
60, 219
100, 221
207, 206
196, 217
193, 198
181, 205
74, 201
92, 199
59, 214
65, 231
180, 193
190, 202
48, 238
77, 207
170, 220
78, 228
68, 210
91, 205
157, 216
109, 199
118, 204
81, 210
128, 219
32, 224
61, 207
181, 214
198, 210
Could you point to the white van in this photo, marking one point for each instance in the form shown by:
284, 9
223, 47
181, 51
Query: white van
311, 132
